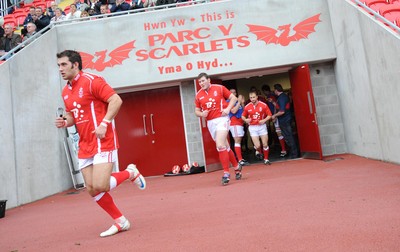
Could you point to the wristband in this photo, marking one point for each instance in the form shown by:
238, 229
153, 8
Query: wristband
104, 124
65, 123
106, 121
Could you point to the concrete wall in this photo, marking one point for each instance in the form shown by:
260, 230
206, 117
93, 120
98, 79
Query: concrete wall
192, 124
33, 163
329, 115
367, 73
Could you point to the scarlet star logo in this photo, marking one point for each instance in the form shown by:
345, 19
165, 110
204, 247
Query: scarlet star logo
269, 35
116, 56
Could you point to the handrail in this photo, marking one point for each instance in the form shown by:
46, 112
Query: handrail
378, 16
114, 14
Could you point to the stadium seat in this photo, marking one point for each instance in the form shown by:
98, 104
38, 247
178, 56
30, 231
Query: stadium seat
35, 2
20, 17
43, 5
20, 10
10, 19
67, 9
375, 4
391, 12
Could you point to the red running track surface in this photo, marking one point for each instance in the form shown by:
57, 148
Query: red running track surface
345, 203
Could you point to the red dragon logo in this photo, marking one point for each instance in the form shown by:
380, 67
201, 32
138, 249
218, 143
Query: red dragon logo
302, 29
116, 56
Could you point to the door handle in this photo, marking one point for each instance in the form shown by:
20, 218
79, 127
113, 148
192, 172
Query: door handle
144, 125
152, 124
309, 102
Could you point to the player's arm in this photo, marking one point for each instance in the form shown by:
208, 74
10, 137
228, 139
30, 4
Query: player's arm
232, 100
235, 108
281, 110
200, 113
269, 115
114, 104
244, 117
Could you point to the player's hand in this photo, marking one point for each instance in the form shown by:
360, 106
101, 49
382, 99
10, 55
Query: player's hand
225, 112
100, 131
60, 122
205, 113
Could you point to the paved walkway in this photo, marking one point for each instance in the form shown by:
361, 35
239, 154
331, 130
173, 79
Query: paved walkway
347, 203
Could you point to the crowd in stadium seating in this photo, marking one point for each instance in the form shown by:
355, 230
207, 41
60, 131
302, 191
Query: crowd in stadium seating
30, 18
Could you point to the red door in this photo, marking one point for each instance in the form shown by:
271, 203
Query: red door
304, 109
151, 132
210, 150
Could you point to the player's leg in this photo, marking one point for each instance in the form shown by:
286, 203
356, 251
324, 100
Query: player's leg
286, 129
255, 138
101, 178
280, 138
238, 133
222, 148
264, 140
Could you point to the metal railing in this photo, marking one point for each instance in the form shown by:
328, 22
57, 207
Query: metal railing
378, 16
10, 53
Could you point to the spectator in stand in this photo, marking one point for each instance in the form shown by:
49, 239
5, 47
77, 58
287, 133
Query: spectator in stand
138, 4
92, 12
85, 15
74, 12
59, 16
41, 20
31, 27
96, 4
104, 9
164, 2
119, 5
9, 39
150, 3
28, 19
51, 11
89, 3
77, 4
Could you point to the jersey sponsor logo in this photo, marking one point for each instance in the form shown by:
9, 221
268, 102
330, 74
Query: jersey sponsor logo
77, 111
201, 98
211, 103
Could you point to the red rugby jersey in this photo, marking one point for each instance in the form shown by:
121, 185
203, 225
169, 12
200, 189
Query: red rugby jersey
86, 98
213, 100
257, 112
